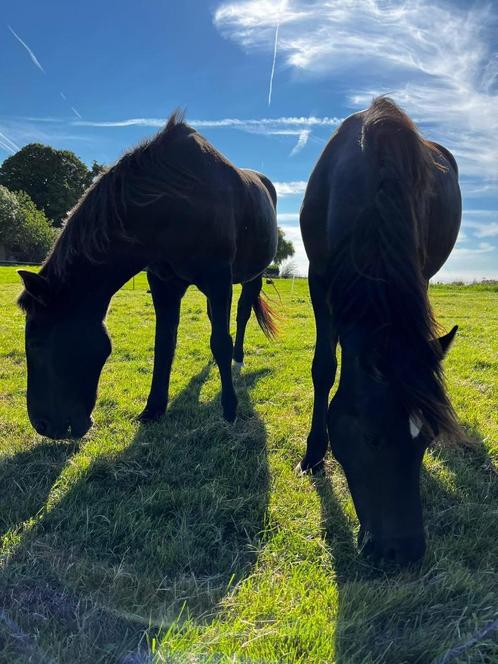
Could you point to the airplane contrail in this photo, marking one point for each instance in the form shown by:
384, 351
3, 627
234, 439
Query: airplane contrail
33, 57
8, 144
275, 48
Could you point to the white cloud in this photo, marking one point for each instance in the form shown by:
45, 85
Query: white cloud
284, 217
259, 125
303, 139
481, 223
290, 188
293, 233
33, 57
472, 252
483, 229
441, 52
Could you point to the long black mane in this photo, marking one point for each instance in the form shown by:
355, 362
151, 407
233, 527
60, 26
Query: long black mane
377, 280
140, 177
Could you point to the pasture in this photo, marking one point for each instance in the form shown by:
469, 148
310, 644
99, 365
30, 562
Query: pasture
193, 540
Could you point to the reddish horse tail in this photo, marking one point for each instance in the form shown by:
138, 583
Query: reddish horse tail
265, 316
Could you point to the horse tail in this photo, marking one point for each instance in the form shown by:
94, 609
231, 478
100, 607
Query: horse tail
265, 315
405, 166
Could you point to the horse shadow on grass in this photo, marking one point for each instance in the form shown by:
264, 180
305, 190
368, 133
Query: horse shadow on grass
156, 533
26, 479
377, 619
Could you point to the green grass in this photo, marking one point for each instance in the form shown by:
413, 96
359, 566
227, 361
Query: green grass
194, 541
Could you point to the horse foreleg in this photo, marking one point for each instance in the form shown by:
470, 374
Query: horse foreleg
166, 296
323, 373
218, 289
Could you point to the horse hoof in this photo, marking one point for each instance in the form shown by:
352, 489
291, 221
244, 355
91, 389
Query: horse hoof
147, 416
306, 468
238, 365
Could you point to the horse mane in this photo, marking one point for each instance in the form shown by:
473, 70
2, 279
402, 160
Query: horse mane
142, 176
377, 283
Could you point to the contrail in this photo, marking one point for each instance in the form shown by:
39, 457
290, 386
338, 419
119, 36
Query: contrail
63, 96
7, 143
275, 47
76, 112
31, 54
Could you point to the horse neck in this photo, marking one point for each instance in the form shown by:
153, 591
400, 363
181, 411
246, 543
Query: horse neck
89, 287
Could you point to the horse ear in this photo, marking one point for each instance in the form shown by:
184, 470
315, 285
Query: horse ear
35, 285
446, 341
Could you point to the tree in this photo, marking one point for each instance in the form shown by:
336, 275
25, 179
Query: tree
285, 248
25, 232
54, 179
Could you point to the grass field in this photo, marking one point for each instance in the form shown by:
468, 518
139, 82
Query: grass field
194, 541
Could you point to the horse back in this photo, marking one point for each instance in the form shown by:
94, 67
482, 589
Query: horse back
344, 184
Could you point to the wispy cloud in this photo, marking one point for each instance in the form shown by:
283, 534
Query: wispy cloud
287, 217
281, 126
446, 80
294, 188
33, 57
293, 234
472, 252
235, 123
303, 139
483, 229
63, 96
76, 112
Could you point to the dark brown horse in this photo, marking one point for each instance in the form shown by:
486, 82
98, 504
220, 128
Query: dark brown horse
179, 208
380, 216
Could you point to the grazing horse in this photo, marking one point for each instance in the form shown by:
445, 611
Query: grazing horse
380, 216
179, 208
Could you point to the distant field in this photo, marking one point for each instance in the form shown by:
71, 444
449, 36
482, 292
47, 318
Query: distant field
194, 541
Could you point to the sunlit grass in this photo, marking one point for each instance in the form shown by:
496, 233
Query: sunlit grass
194, 541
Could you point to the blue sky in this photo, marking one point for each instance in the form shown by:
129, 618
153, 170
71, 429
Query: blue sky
96, 77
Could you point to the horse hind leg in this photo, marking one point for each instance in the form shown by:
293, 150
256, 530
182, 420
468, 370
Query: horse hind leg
249, 294
217, 287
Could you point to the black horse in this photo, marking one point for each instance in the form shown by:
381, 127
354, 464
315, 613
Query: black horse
179, 208
380, 216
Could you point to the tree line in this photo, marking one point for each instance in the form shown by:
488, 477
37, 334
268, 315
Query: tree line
39, 185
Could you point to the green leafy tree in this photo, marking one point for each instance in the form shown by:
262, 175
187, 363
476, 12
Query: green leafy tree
285, 248
54, 179
25, 231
